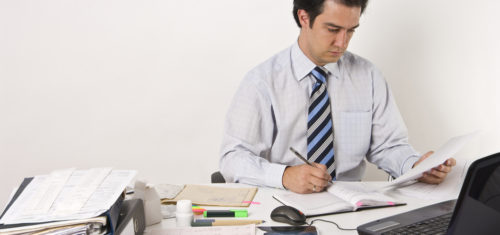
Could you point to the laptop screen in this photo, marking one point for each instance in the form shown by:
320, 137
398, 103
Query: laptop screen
478, 207
486, 188
477, 210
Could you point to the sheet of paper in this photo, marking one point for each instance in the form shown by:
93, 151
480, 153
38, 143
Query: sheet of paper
214, 230
448, 150
109, 190
448, 189
49, 190
168, 211
85, 194
79, 189
168, 191
38, 197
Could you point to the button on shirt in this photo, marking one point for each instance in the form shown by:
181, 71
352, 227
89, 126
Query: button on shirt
268, 115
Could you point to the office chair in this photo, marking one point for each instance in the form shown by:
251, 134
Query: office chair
217, 177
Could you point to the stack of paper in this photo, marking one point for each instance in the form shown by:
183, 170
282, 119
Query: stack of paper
66, 200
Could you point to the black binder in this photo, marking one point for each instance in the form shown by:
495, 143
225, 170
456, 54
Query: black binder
112, 214
131, 217
20, 189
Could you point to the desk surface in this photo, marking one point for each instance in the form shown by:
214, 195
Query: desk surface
345, 220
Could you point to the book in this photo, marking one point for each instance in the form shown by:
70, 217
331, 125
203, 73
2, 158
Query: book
339, 197
215, 195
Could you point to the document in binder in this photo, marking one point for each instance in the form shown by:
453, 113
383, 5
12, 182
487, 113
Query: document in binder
39, 203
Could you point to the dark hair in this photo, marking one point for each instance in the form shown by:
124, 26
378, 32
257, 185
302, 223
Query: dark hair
315, 7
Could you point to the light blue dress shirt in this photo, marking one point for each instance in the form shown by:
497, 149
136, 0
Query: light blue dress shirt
268, 115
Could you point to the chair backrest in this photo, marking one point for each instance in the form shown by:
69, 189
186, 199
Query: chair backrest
217, 177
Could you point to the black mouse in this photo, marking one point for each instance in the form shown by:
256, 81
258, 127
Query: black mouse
289, 215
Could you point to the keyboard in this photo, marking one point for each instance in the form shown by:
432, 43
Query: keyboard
437, 225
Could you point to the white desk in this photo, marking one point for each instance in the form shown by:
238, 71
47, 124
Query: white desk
345, 220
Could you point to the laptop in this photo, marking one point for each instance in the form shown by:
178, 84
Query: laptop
476, 211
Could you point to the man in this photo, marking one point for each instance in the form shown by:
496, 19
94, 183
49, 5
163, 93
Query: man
331, 105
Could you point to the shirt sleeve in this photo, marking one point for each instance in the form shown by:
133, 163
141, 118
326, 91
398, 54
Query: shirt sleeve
389, 148
248, 137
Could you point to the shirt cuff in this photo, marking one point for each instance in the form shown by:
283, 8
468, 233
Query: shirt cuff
408, 164
274, 175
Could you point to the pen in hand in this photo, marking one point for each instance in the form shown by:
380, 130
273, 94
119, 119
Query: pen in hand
300, 156
303, 159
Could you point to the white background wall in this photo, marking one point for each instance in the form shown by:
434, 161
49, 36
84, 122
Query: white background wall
145, 84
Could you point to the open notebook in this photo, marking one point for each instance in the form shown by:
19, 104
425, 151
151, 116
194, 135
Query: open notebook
339, 197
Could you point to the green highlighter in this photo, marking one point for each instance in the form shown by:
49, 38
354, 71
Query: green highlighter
226, 213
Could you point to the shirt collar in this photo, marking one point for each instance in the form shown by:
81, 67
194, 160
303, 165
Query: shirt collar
302, 65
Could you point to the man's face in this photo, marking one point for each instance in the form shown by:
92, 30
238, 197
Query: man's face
326, 41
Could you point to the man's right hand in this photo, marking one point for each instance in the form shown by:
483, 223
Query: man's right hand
305, 178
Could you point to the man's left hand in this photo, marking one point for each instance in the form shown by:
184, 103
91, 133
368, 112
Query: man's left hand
437, 174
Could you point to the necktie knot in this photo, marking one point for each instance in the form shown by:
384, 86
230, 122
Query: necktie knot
319, 74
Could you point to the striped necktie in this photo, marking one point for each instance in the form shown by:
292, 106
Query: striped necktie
319, 124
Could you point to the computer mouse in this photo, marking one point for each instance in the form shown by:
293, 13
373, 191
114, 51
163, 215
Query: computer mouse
289, 215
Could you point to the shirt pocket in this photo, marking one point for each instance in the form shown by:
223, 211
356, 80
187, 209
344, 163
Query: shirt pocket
352, 134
